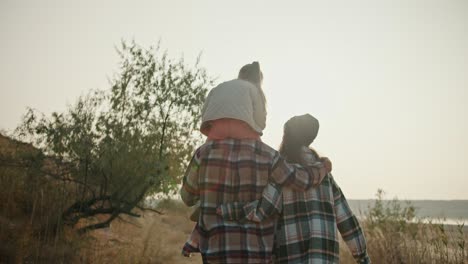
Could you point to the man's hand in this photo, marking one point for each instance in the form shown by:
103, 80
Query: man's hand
327, 163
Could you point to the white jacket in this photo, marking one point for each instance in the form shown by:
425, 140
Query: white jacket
237, 99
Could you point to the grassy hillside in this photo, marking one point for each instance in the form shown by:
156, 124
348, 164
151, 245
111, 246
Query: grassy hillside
32, 230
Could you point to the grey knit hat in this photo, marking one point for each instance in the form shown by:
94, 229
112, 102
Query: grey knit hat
303, 127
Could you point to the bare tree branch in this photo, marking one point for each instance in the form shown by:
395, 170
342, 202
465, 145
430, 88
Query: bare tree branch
150, 209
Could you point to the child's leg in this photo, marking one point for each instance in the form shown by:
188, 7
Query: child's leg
193, 243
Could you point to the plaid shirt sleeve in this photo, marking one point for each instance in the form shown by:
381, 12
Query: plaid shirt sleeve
349, 227
190, 191
296, 176
270, 204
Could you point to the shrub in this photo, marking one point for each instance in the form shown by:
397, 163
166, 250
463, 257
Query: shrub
121, 145
394, 235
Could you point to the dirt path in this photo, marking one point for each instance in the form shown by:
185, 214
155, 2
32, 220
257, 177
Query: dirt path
151, 239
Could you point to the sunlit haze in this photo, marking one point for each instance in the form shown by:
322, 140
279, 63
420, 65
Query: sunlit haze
388, 80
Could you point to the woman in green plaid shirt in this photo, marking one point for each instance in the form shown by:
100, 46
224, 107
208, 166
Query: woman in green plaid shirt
307, 222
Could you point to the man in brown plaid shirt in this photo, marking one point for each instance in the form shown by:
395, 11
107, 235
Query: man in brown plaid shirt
234, 170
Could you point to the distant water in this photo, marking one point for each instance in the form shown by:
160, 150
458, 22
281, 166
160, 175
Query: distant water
450, 212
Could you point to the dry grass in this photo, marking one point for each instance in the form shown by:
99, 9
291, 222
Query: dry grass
430, 244
159, 240
394, 235
152, 238
30, 215
32, 230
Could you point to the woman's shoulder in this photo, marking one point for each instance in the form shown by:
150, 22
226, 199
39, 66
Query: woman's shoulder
309, 156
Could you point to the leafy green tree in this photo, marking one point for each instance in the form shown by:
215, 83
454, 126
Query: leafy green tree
122, 145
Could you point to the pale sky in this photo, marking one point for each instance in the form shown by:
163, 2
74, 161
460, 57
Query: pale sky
388, 80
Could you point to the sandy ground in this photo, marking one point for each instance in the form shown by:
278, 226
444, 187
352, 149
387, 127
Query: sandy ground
152, 238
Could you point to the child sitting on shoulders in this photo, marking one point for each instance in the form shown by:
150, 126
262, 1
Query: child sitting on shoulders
234, 109
237, 108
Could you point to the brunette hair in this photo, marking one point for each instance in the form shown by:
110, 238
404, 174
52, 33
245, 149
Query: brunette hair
299, 131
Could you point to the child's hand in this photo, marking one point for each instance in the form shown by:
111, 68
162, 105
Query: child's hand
327, 163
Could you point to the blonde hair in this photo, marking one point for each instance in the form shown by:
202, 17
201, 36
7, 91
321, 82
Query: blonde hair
252, 73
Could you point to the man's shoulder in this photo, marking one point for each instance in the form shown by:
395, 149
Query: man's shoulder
268, 150
260, 148
201, 150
